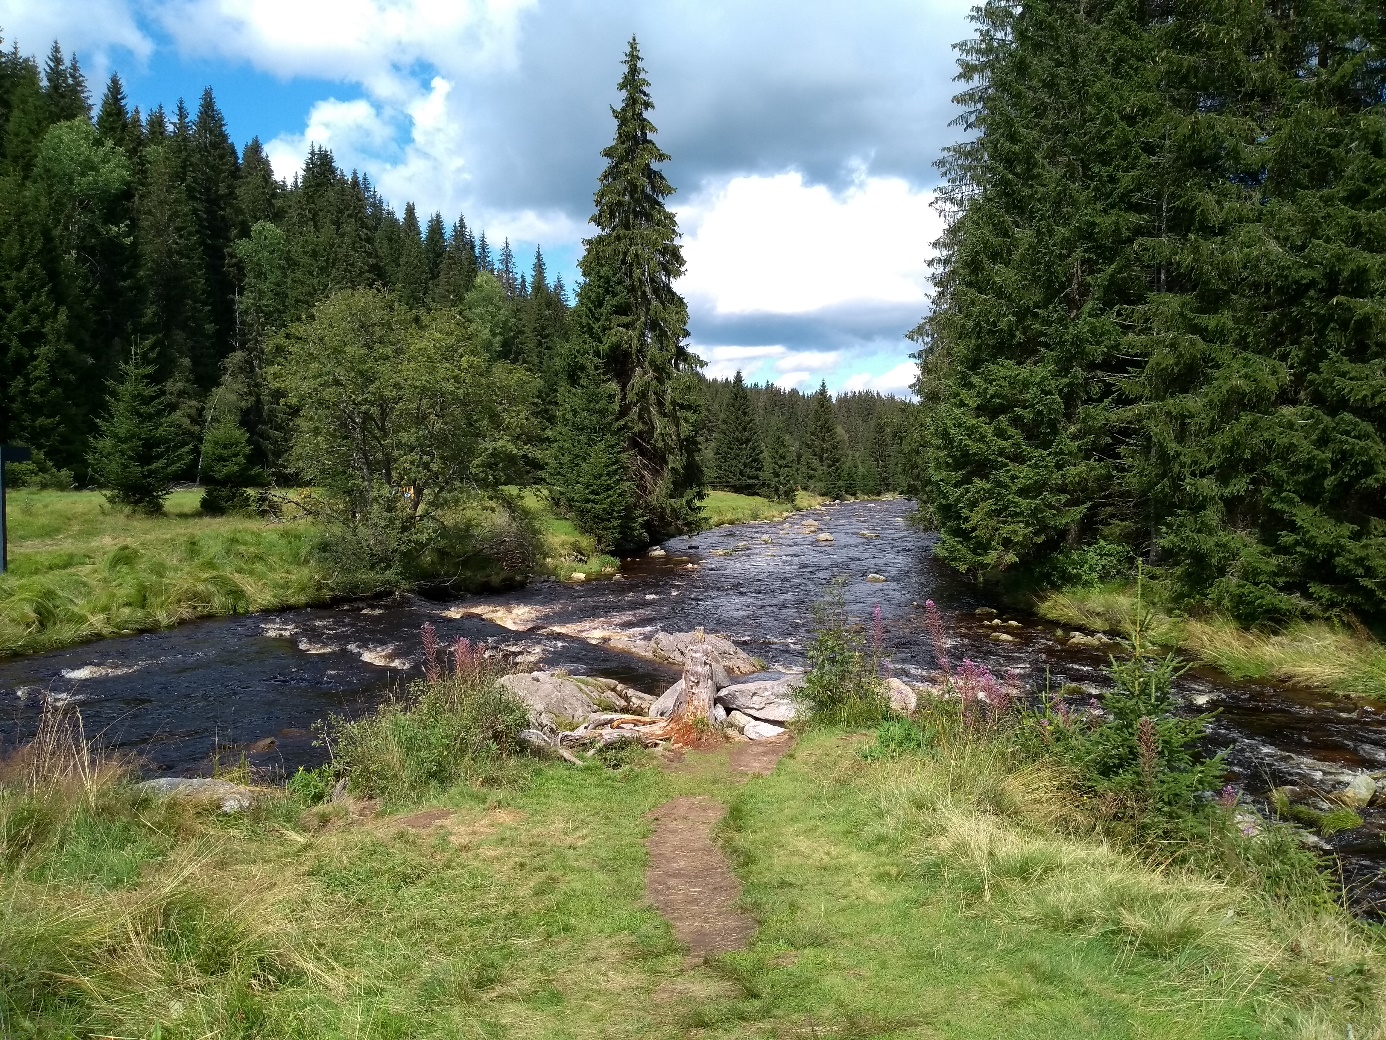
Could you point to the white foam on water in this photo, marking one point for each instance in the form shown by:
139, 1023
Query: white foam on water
310, 647
381, 656
99, 671
278, 629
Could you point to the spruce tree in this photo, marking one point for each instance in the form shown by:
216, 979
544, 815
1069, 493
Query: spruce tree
631, 318
458, 269
435, 247
737, 456
412, 279
589, 468
113, 123
257, 191
779, 474
824, 453
139, 451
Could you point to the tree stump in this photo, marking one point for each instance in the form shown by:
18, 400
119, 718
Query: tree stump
699, 689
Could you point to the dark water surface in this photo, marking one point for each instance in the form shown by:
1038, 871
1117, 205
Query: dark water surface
255, 685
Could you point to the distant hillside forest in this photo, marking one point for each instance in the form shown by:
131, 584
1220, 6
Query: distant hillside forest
1159, 325
125, 233
765, 440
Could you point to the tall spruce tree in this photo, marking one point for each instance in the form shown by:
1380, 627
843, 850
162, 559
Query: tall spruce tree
737, 454
779, 473
631, 318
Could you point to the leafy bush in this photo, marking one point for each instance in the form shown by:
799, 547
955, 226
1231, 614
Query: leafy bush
457, 724
844, 683
1136, 755
1085, 567
311, 785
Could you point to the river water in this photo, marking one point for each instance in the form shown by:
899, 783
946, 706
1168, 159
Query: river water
254, 686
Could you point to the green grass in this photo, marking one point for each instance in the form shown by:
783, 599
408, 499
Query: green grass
1308, 653
726, 507
930, 896
80, 569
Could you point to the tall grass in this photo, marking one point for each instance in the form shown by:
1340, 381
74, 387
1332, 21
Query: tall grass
455, 725
1317, 654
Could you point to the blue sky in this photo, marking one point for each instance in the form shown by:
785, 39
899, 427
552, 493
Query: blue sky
803, 135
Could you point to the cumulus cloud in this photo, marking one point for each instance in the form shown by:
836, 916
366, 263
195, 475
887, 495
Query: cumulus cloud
777, 244
897, 380
376, 43
99, 29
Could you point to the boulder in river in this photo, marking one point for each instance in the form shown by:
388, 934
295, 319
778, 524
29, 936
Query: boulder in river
1002, 637
673, 646
657, 552
825, 538
550, 696
876, 578
771, 700
228, 797
1360, 791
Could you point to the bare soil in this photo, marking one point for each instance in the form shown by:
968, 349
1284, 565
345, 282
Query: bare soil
689, 879
690, 882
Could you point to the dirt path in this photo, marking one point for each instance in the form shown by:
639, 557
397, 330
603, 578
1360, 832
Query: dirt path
689, 879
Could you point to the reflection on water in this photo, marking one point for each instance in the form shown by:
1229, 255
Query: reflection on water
259, 683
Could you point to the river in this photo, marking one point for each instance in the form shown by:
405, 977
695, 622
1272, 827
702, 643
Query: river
253, 686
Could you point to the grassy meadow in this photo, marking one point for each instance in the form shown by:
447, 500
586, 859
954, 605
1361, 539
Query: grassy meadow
946, 894
1307, 653
81, 569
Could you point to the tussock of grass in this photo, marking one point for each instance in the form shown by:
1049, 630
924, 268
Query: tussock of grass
81, 570
1313, 654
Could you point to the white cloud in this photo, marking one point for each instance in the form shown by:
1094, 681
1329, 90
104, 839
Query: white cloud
347, 127
93, 28
776, 244
372, 42
723, 362
895, 381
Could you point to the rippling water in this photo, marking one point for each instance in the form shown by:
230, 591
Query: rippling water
255, 685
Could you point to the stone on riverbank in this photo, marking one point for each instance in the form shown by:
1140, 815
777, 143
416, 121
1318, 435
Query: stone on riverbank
228, 797
757, 730
550, 696
770, 700
902, 697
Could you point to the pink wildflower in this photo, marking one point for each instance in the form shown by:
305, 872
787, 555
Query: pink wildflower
430, 647
938, 635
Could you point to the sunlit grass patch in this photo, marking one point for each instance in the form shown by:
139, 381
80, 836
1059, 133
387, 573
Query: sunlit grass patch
1308, 653
727, 507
